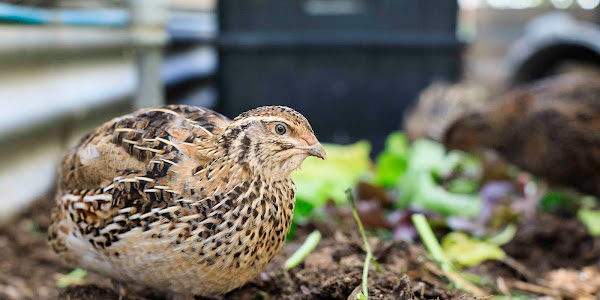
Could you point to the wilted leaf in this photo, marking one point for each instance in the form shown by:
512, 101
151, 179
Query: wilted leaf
492, 194
467, 251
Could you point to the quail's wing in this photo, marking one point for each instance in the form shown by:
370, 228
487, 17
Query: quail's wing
130, 143
125, 168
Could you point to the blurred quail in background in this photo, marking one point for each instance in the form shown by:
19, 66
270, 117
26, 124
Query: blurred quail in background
550, 128
440, 104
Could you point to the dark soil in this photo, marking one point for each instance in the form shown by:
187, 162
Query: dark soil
551, 241
29, 268
334, 270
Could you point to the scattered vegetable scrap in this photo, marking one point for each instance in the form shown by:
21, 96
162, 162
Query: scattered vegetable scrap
74, 277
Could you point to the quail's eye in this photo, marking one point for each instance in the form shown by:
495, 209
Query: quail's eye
280, 129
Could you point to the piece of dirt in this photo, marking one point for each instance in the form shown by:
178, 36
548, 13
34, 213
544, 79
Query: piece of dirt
87, 292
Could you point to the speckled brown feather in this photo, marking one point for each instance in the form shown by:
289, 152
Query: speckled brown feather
178, 198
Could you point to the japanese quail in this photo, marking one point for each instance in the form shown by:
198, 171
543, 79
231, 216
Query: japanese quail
181, 199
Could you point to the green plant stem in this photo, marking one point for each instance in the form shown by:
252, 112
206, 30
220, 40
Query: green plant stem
430, 242
369, 258
307, 247
435, 249
365, 276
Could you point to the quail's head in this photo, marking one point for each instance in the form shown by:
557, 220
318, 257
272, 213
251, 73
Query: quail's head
272, 140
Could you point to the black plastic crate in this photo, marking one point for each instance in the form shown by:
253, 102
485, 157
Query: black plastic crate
305, 15
352, 80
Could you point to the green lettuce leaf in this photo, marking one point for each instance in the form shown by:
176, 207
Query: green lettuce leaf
428, 160
318, 180
392, 162
419, 190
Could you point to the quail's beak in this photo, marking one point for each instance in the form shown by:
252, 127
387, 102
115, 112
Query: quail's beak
317, 150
